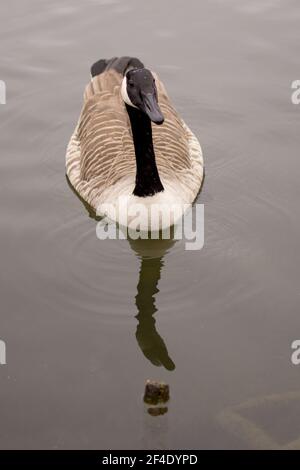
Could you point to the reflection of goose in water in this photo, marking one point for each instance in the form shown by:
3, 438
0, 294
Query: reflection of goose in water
151, 254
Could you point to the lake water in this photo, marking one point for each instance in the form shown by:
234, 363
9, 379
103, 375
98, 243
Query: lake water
85, 321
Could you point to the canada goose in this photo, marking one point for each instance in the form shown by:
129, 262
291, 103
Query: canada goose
116, 154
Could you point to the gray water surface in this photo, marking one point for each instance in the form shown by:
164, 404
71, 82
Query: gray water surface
86, 322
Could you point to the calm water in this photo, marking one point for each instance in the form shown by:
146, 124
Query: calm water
86, 322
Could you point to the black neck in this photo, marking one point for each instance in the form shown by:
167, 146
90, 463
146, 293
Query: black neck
147, 181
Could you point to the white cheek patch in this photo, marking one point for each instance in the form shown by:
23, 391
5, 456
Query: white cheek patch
124, 93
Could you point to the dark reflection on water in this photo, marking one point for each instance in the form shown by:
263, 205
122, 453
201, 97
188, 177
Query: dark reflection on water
151, 255
149, 340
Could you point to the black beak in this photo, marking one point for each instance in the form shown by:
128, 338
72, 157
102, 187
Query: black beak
151, 108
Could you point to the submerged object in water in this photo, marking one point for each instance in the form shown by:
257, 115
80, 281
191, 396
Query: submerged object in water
156, 392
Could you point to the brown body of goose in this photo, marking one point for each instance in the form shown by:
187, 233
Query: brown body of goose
101, 159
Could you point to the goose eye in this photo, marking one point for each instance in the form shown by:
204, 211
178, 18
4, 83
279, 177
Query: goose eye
130, 84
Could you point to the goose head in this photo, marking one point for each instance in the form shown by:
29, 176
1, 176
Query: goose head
139, 91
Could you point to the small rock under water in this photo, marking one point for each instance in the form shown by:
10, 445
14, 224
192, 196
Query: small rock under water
156, 392
157, 411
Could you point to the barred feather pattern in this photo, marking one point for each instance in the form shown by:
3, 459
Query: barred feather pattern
100, 155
